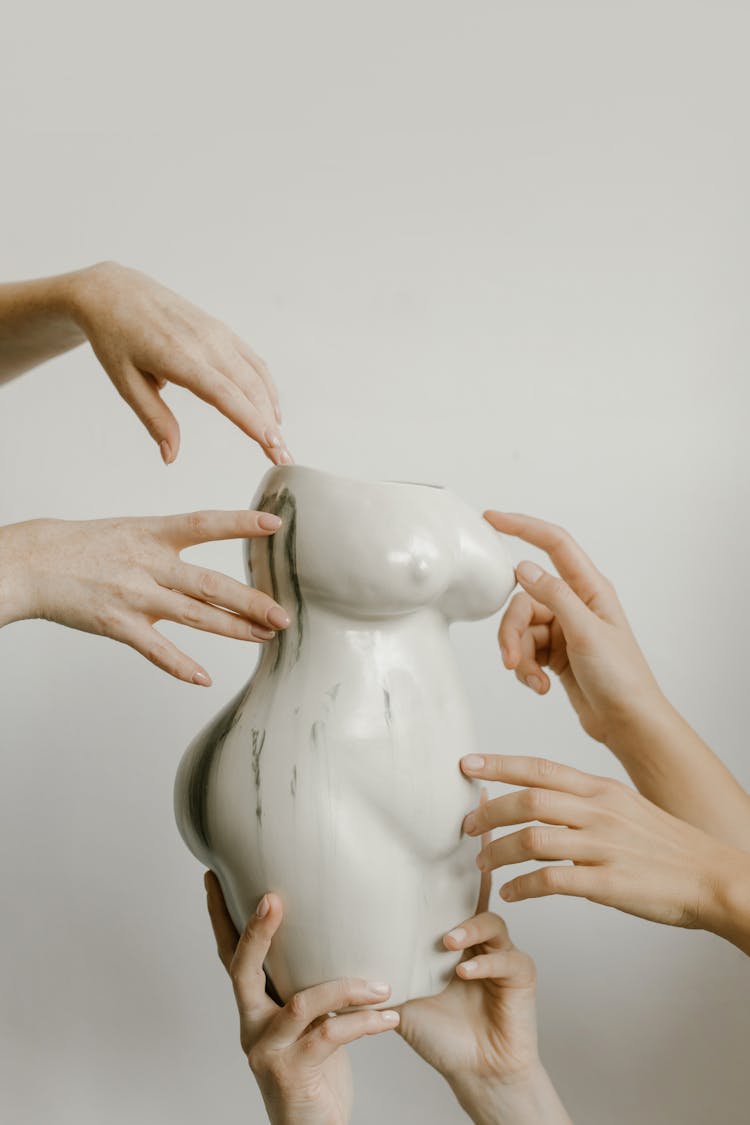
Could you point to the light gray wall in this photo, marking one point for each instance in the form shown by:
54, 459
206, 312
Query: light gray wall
502, 246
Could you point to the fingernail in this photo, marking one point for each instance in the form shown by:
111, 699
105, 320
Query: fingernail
277, 617
273, 440
391, 1018
470, 823
529, 572
166, 452
481, 862
259, 634
457, 935
269, 522
468, 967
202, 678
472, 762
262, 907
379, 987
506, 892
534, 683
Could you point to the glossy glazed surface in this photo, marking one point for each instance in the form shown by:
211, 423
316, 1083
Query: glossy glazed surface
332, 778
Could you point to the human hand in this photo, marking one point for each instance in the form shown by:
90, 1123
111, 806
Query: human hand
626, 852
296, 1052
575, 626
146, 336
480, 1031
117, 577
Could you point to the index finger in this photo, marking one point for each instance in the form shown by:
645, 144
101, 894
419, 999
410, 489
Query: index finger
571, 561
205, 527
537, 773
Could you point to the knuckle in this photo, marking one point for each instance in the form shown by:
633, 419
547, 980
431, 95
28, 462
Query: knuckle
154, 423
191, 613
298, 1005
326, 1031
531, 840
109, 621
534, 801
559, 537
553, 878
544, 768
207, 584
613, 790
157, 654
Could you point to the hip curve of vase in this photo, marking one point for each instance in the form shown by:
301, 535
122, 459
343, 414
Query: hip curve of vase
332, 778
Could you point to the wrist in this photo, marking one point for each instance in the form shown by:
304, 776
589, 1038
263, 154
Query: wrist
726, 911
17, 591
75, 292
525, 1098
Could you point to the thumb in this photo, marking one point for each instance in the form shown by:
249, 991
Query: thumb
141, 393
572, 613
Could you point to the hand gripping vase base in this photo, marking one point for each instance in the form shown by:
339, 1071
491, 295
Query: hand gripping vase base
332, 778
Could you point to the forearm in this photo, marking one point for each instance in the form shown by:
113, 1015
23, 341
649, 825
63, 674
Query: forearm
671, 765
531, 1100
37, 322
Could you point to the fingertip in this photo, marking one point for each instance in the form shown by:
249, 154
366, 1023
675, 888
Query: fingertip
390, 1018
275, 905
267, 521
529, 573
507, 892
201, 678
472, 763
467, 968
469, 825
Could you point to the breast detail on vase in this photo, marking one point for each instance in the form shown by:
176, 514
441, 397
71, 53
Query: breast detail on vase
332, 777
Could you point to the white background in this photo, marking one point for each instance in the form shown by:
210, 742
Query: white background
502, 246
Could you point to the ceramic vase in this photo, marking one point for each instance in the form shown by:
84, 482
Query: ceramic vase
332, 778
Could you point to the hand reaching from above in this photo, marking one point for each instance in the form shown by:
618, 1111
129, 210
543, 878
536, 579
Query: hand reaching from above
118, 577
575, 626
296, 1052
146, 336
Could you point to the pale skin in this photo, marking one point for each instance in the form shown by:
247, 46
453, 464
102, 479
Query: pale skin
119, 577
145, 337
479, 1033
677, 851
624, 850
574, 626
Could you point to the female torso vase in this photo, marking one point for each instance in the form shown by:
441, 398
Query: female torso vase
332, 778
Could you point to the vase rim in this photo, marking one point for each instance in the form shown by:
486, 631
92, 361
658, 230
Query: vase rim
301, 471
